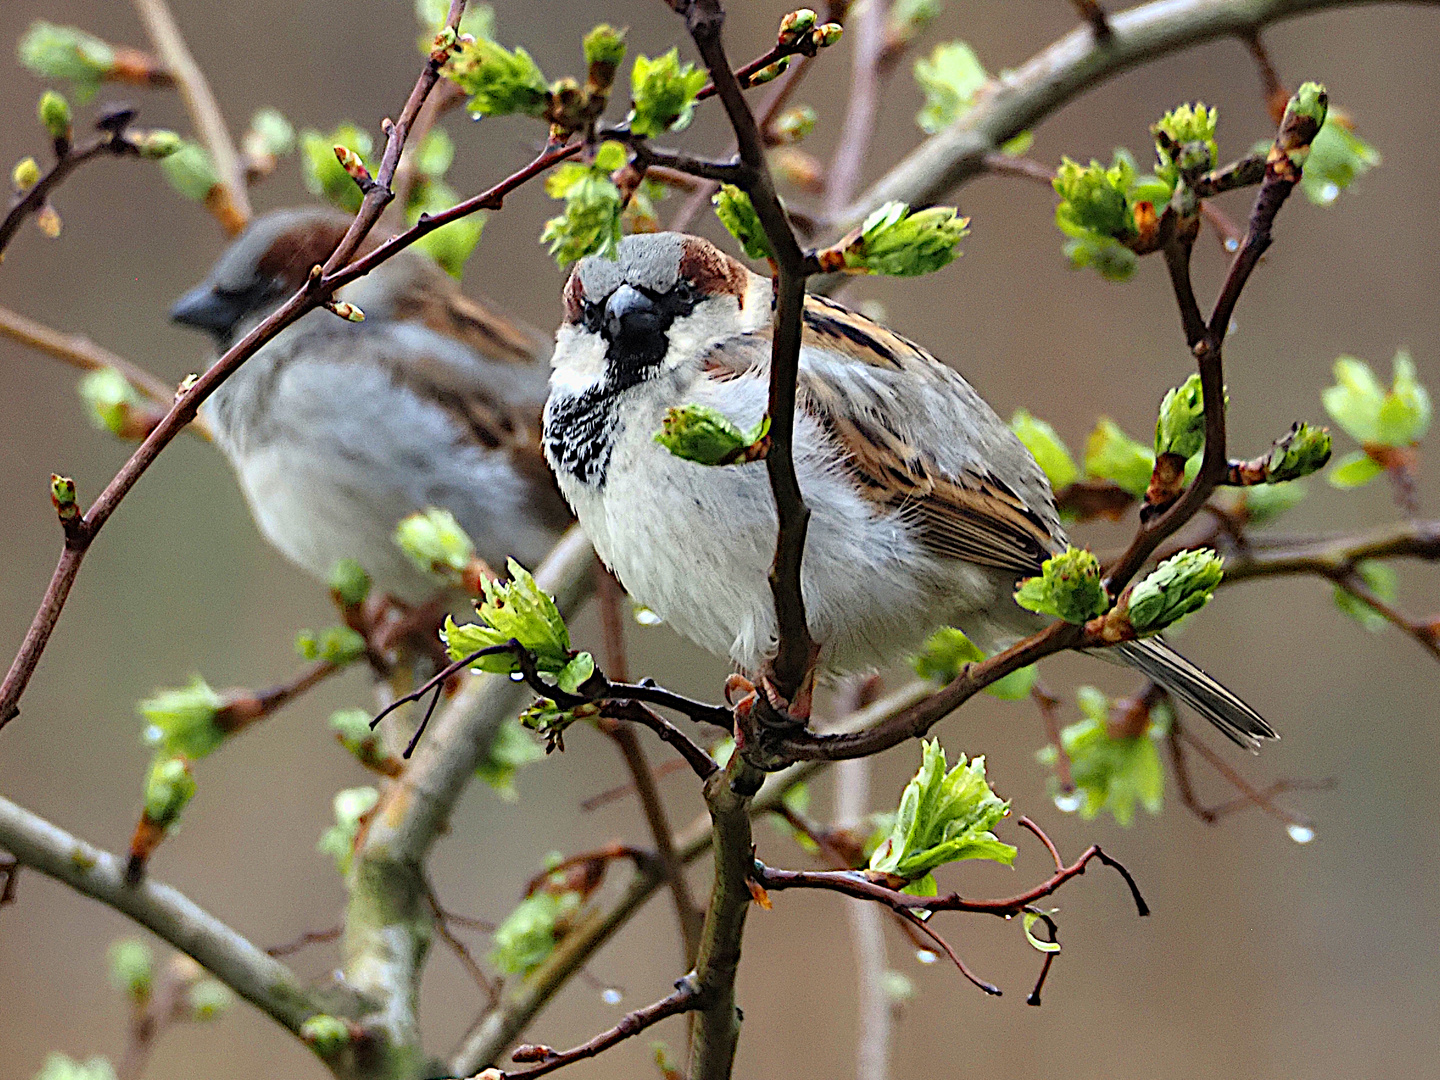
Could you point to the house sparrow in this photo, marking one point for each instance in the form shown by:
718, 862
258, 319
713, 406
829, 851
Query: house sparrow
338, 430
925, 509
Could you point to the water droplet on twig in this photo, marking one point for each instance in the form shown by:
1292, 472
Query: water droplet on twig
1301, 834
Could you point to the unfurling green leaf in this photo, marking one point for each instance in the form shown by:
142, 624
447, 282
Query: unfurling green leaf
168, 788
158, 145
950, 78
338, 841
510, 749
591, 222
706, 436
434, 541
1112, 773
1302, 451
59, 1067
326, 1035
353, 728
604, 45
529, 933
1094, 199
1180, 585
737, 213
66, 52
349, 583
1380, 579
1068, 587
498, 81
1337, 157
662, 94
452, 244
897, 242
1268, 501
132, 969
943, 817
1192, 130
184, 720
338, 645
270, 134
1036, 943
1180, 427
109, 399
191, 172
1370, 415
1112, 455
517, 609
1355, 469
209, 999
321, 169
947, 652
1046, 447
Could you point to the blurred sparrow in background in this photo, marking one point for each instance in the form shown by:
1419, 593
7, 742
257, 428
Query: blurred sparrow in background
338, 430
925, 509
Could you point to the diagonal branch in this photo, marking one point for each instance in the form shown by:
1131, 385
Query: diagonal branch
260, 979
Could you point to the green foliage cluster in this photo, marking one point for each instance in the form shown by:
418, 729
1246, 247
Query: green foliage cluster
947, 652
663, 92
1069, 588
434, 541
338, 645
895, 241
338, 841
1111, 773
529, 933
67, 53
182, 720
737, 213
590, 224
706, 436
1097, 211
1375, 418
169, 787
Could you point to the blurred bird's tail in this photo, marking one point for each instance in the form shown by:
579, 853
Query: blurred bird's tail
1156, 660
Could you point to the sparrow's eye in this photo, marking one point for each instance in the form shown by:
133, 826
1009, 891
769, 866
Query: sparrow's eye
686, 293
593, 316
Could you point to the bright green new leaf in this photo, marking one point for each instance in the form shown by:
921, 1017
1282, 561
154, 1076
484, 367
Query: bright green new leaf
591, 222
1068, 587
54, 113
1268, 501
1381, 580
67, 52
706, 436
1355, 469
947, 652
353, 727
168, 788
1016, 686
182, 720
1095, 199
1180, 426
191, 172
950, 78
498, 81
338, 841
108, 398
899, 243
1112, 455
435, 542
1046, 447
1111, 261
450, 245
1368, 413
529, 933
1182, 584
349, 582
1028, 922
1302, 451
1337, 157
737, 213
510, 749
132, 968
1193, 128
662, 93
517, 609
59, 1067
338, 645
943, 817
1112, 774
326, 1035
321, 170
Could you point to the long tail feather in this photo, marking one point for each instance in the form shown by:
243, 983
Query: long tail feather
1238, 721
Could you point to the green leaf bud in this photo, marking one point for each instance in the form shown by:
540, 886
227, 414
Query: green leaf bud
323, 172
706, 436
54, 113
897, 242
950, 78
605, 45
168, 788
737, 213
436, 543
943, 817
191, 172
158, 144
1069, 588
270, 134
63, 496
1310, 101
591, 222
662, 93
209, 999
338, 841
109, 399
352, 726
498, 81
337, 645
1112, 455
795, 25
769, 73
795, 123
827, 34
25, 175
349, 583
132, 969
1180, 585
1302, 451
1190, 129
1095, 199
1337, 157
517, 609
326, 1035
1046, 447
1180, 427
184, 720
529, 933
66, 52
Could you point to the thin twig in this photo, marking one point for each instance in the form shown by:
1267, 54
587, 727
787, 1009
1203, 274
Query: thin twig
232, 207
305, 940
867, 33
69, 158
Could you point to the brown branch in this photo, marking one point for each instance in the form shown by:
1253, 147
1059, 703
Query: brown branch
1049, 706
867, 32
321, 285
232, 206
491, 989
68, 158
1094, 14
305, 940
1276, 96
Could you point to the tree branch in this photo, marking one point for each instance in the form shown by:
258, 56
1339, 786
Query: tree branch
260, 979
232, 206
68, 159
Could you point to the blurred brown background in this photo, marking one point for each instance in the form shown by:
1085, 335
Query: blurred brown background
1263, 958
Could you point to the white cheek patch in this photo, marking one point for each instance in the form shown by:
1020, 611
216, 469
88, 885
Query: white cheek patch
695, 334
579, 360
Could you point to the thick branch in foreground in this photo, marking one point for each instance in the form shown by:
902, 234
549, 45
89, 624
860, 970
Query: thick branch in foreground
260, 979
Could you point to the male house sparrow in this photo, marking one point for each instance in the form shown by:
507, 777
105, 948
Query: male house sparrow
925, 509
338, 430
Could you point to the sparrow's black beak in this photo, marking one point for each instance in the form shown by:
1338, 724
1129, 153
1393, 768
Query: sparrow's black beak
632, 318
205, 309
